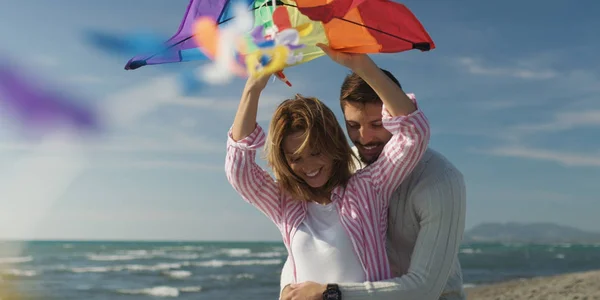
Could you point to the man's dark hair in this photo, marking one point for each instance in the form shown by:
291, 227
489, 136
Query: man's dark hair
356, 90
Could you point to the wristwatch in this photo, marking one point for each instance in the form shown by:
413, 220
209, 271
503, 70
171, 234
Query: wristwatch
332, 292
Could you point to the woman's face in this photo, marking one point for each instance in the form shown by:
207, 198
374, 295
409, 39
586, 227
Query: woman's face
314, 168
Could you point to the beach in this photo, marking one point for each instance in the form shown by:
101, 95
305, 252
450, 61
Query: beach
583, 285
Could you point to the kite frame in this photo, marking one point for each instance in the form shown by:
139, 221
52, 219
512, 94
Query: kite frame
423, 46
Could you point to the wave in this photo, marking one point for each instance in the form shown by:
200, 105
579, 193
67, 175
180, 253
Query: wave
182, 253
244, 252
268, 254
470, 251
232, 277
140, 254
15, 260
162, 291
173, 266
233, 252
220, 263
19, 273
182, 248
178, 274
119, 268
125, 255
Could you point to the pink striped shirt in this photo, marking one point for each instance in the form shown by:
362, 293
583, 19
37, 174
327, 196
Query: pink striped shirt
362, 204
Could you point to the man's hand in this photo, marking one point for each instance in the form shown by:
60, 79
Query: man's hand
353, 61
303, 291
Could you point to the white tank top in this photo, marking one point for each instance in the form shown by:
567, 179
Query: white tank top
322, 248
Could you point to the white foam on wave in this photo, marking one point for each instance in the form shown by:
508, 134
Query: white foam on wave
220, 263
141, 254
231, 277
470, 251
244, 252
15, 260
162, 291
182, 248
234, 252
267, 254
115, 257
178, 274
102, 269
19, 273
170, 266
125, 255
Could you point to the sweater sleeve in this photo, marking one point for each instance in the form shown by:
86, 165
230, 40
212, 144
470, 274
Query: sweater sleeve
255, 185
440, 205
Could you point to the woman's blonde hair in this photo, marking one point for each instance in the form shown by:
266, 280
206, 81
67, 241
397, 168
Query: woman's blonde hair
321, 132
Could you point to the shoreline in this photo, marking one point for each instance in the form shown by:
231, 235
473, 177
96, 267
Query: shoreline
580, 285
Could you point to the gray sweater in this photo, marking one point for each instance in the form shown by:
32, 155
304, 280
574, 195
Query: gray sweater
426, 224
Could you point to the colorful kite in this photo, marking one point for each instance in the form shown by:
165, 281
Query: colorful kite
292, 29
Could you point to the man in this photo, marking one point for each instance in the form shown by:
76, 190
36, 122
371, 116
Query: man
426, 217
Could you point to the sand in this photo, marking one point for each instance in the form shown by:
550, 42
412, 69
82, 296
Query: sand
585, 285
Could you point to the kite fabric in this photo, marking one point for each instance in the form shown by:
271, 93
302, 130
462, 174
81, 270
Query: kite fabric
37, 107
181, 46
353, 26
368, 26
269, 17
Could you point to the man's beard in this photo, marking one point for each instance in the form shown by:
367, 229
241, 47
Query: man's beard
372, 158
369, 161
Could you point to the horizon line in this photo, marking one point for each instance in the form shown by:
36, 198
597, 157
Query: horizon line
75, 240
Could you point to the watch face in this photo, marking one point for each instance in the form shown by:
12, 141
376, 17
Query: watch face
333, 295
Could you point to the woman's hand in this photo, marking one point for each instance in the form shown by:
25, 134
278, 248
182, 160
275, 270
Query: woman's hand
256, 84
303, 291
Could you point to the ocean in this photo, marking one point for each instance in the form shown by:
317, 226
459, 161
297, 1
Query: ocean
226, 270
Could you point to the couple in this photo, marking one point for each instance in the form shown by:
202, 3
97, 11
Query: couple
333, 219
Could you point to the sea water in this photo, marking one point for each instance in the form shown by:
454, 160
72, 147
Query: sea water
228, 270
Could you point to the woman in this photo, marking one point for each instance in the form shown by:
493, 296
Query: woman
333, 222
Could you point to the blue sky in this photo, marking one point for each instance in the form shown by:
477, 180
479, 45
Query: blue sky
512, 93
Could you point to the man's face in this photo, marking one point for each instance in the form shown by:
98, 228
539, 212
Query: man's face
365, 129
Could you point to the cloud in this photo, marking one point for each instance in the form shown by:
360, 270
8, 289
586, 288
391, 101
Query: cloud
165, 164
568, 159
176, 143
563, 121
86, 79
516, 135
521, 71
42, 60
125, 106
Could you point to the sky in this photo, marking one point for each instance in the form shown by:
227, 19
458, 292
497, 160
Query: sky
512, 92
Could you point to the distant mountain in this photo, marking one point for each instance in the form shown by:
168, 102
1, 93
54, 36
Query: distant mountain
529, 233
